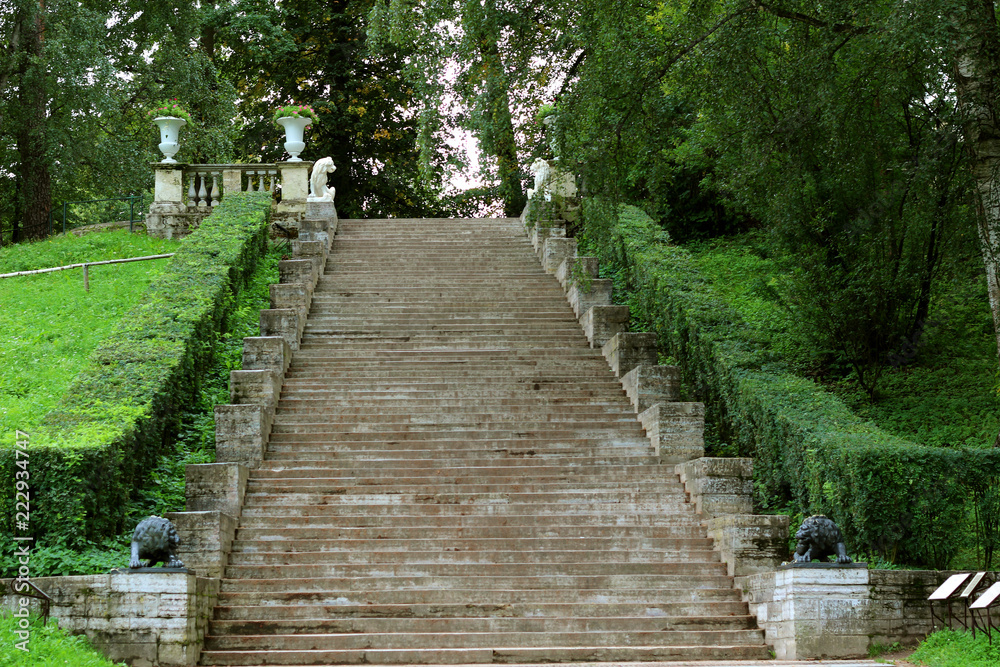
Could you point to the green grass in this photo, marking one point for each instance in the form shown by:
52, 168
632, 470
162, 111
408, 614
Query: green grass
48, 646
951, 648
49, 324
945, 396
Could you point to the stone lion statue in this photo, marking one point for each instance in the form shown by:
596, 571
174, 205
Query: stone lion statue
155, 540
318, 191
820, 538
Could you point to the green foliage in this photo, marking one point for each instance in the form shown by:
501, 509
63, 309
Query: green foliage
48, 646
367, 115
169, 108
906, 502
85, 94
294, 111
50, 325
502, 52
97, 446
955, 648
940, 393
877, 650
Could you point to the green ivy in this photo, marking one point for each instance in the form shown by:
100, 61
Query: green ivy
99, 445
905, 502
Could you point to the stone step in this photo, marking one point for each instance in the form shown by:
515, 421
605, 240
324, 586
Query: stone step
362, 388
457, 475
668, 610
545, 573
296, 396
431, 633
312, 524
333, 504
470, 624
476, 596
506, 655
488, 639
386, 430
376, 454
464, 553
444, 416
565, 582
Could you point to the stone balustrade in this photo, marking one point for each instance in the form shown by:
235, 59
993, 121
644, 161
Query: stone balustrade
185, 194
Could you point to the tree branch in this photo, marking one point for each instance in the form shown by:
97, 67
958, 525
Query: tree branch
810, 20
15, 42
692, 45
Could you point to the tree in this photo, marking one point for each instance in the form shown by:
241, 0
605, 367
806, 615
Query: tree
831, 127
977, 78
76, 78
492, 57
301, 51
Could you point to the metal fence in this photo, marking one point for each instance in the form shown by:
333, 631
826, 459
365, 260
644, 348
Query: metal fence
81, 213
84, 212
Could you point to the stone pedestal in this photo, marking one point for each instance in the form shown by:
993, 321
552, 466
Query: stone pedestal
294, 193
750, 543
585, 294
266, 353
676, 430
241, 433
649, 384
719, 486
602, 323
555, 251
215, 487
574, 269
627, 350
839, 611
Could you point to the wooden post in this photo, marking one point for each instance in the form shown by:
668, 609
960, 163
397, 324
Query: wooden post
86, 278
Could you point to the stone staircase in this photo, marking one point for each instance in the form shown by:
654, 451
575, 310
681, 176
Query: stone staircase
454, 475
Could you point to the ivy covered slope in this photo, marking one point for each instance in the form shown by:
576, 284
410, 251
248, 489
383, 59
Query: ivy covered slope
907, 502
107, 431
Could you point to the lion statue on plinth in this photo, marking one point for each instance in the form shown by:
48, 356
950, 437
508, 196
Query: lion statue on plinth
155, 539
819, 538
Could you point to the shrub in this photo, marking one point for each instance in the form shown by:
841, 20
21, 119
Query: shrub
906, 502
108, 430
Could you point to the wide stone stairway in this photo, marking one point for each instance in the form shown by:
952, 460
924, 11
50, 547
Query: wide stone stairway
455, 476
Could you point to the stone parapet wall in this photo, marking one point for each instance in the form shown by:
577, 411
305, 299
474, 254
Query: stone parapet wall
147, 619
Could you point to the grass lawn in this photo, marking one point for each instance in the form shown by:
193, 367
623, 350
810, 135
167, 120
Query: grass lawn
951, 648
49, 324
48, 646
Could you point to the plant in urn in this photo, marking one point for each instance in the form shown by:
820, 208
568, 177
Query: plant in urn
295, 119
170, 117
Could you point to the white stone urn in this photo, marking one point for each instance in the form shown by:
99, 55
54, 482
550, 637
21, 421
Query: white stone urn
294, 127
170, 127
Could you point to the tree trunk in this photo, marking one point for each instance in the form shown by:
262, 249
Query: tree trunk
506, 151
977, 79
35, 192
502, 142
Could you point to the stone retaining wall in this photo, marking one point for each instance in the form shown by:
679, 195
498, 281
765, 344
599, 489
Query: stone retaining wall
144, 618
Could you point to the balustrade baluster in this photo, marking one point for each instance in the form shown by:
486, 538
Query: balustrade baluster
213, 194
274, 175
192, 193
202, 192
